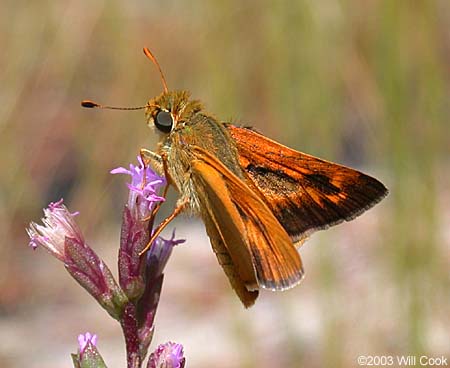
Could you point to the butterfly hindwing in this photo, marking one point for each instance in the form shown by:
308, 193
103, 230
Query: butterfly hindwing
305, 193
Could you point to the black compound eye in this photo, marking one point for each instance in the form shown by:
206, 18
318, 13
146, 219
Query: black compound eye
164, 121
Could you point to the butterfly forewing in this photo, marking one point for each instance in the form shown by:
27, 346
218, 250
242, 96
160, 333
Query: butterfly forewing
276, 262
305, 193
224, 227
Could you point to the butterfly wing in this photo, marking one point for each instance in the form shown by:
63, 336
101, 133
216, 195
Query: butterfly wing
305, 193
246, 227
238, 283
225, 232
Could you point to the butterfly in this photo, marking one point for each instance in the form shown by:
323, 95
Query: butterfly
259, 200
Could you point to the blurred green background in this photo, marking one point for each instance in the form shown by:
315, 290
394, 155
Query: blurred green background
364, 83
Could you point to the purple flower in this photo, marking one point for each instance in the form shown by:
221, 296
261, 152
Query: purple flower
61, 237
144, 186
168, 355
84, 340
159, 254
141, 277
135, 234
135, 301
59, 224
88, 355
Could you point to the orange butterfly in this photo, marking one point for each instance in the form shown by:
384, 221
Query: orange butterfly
259, 200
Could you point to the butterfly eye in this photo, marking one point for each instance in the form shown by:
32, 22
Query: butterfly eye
164, 121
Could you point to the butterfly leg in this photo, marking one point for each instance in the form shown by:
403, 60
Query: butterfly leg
150, 158
160, 162
176, 211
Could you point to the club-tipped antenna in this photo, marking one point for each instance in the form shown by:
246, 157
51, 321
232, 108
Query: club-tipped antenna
94, 105
148, 53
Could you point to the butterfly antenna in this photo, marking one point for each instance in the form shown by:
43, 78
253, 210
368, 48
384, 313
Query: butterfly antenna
148, 53
94, 105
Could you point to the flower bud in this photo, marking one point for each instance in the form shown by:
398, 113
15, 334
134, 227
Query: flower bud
168, 355
88, 355
62, 238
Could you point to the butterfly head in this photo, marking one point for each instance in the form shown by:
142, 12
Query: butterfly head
171, 110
